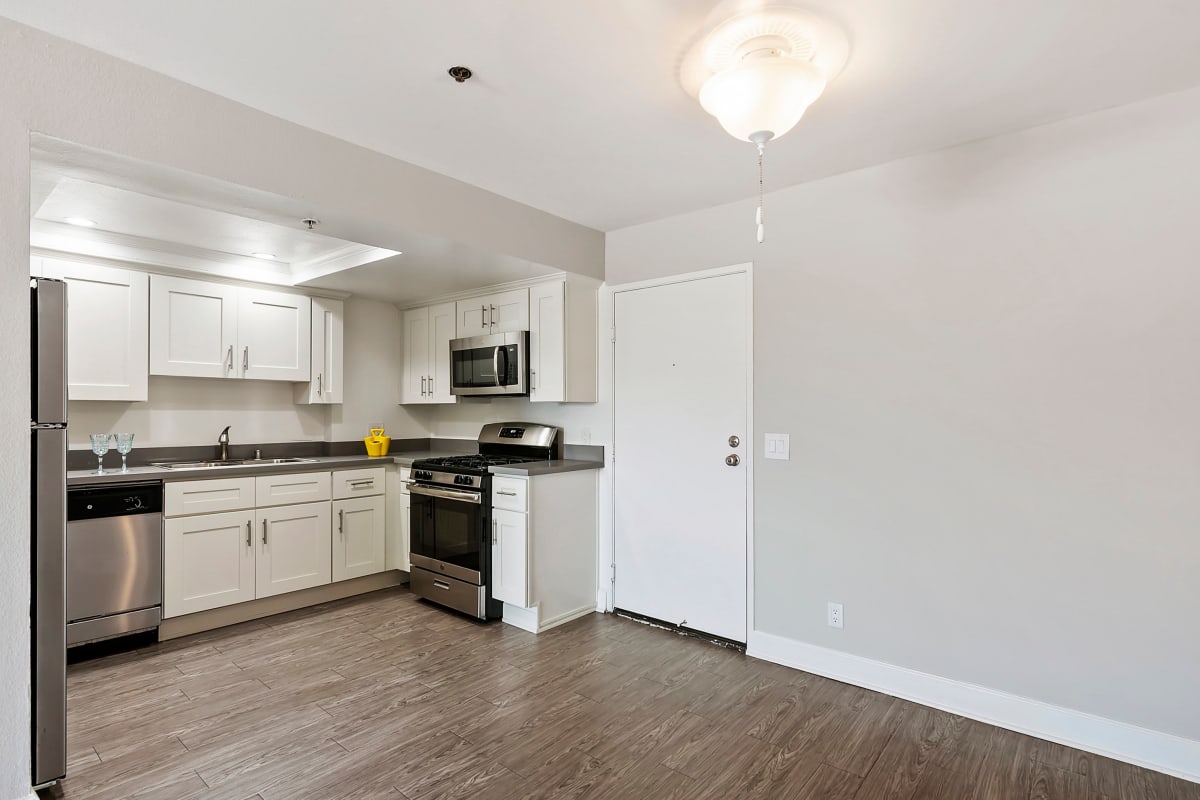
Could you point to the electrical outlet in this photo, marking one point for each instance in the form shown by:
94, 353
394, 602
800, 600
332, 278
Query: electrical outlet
835, 615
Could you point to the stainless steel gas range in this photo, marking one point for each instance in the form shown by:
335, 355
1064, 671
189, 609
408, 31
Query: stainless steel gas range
451, 517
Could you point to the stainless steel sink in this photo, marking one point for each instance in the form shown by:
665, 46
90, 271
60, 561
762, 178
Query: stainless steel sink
229, 462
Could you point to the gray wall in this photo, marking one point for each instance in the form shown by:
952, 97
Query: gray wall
986, 358
69, 92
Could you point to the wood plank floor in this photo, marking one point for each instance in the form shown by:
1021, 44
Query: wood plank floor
383, 696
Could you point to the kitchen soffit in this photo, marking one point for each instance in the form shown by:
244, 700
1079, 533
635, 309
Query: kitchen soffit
585, 95
162, 217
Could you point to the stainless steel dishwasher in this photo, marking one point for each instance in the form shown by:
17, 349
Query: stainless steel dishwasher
114, 561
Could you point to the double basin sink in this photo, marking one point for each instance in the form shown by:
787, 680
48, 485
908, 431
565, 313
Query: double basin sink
229, 462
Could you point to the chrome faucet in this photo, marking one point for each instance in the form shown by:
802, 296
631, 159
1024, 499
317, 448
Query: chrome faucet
223, 444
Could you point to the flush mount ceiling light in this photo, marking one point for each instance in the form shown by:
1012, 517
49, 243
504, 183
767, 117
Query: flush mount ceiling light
264, 256
759, 71
82, 222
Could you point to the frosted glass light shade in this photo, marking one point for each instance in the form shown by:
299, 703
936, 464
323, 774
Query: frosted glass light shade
767, 93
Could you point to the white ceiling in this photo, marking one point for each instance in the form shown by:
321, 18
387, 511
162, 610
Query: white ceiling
576, 107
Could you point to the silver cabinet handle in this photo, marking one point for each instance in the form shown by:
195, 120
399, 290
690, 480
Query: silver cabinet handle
229, 358
245, 359
249, 527
342, 521
493, 531
264, 530
506, 494
423, 379
431, 386
319, 391
491, 316
483, 316
362, 482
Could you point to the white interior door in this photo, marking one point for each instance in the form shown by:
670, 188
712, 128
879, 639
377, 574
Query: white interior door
681, 391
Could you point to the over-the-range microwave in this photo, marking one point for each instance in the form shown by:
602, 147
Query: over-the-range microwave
496, 364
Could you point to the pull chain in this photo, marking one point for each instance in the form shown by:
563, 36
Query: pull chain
758, 216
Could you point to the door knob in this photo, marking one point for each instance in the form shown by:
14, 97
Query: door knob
734, 441
732, 460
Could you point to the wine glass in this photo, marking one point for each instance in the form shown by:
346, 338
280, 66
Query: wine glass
100, 447
124, 446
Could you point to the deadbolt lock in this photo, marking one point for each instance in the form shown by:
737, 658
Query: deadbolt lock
734, 441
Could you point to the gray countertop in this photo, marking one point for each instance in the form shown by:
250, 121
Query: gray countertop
404, 458
546, 467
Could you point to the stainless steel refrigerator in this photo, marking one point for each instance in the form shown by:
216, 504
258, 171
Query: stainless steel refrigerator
48, 434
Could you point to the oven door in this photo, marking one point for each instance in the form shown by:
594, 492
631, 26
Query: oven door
447, 531
490, 365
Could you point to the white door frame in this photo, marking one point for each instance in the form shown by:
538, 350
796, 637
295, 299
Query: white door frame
607, 540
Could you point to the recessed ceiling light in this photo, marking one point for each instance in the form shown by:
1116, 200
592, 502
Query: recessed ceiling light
82, 222
264, 256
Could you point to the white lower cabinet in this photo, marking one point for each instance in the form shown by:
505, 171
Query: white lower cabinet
397, 522
510, 557
544, 547
208, 562
294, 548
263, 543
359, 535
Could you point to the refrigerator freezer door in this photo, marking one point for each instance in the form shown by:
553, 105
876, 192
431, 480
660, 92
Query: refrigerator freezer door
48, 306
49, 605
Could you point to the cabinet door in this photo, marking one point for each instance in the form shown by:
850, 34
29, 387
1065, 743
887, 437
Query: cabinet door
510, 557
547, 342
358, 539
107, 330
208, 562
508, 311
193, 328
414, 377
274, 335
441, 331
493, 313
471, 317
293, 548
325, 381
399, 508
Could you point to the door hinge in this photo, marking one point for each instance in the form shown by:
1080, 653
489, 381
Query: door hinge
614, 572
614, 333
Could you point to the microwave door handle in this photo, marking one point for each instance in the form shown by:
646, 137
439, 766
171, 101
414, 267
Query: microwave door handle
496, 364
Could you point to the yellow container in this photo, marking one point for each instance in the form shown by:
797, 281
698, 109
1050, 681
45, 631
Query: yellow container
377, 444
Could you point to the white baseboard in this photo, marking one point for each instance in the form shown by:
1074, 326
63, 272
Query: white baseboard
566, 617
1161, 752
529, 619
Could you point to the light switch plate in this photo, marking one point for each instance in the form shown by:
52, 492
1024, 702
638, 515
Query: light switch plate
777, 446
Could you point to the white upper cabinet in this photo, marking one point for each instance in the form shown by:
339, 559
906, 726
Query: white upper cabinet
493, 313
325, 382
425, 377
213, 330
107, 342
193, 328
562, 343
274, 331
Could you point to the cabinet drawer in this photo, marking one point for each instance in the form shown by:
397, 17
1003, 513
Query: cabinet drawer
300, 487
357, 482
203, 497
510, 493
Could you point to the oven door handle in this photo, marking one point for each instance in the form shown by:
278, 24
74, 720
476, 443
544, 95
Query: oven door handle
448, 494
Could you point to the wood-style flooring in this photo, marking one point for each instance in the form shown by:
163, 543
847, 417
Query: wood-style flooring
383, 696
